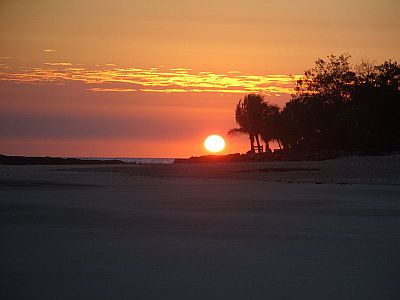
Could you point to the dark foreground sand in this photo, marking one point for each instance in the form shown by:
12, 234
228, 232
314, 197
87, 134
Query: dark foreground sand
307, 230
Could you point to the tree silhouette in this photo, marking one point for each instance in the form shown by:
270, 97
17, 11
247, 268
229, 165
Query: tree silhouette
270, 125
335, 106
249, 116
340, 107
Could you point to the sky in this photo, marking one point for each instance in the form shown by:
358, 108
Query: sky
154, 78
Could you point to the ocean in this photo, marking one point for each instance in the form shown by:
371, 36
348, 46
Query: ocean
136, 160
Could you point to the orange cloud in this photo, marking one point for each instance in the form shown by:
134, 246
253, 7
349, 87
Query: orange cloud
58, 64
111, 90
110, 78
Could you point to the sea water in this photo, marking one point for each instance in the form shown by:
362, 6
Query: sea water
135, 160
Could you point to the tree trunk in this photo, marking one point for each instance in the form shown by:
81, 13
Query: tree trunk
267, 149
258, 144
251, 137
279, 144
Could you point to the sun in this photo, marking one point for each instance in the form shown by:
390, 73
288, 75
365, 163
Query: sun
214, 143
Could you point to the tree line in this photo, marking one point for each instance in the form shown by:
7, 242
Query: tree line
335, 106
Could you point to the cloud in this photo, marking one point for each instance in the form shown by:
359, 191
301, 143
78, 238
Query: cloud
58, 64
111, 90
110, 78
49, 50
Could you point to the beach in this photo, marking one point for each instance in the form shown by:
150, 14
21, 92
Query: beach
269, 230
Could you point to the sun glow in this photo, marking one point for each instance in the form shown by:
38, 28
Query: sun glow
214, 143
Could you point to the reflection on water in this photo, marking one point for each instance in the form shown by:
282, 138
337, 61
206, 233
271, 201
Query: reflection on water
136, 160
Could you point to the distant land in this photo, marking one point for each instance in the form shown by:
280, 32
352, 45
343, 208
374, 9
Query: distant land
24, 160
279, 156
227, 158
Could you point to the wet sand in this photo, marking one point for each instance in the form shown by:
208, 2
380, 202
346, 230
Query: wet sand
304, 230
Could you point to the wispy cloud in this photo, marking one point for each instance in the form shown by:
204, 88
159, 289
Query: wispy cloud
111, 90
109, 78
58, 64
49, 50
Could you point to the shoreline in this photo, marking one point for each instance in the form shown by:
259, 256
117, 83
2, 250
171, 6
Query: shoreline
277, 156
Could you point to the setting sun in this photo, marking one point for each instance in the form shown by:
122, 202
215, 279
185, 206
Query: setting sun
214, 143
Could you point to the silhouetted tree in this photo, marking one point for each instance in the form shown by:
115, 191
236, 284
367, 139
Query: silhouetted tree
249, 116
335, 106
269, 129
375, 109
340, 107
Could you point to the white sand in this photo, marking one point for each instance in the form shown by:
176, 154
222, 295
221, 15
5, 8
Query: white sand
202, 231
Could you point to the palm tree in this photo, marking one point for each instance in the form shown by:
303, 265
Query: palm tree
249, 115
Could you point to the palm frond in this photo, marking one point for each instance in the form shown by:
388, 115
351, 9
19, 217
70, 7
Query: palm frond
236, 131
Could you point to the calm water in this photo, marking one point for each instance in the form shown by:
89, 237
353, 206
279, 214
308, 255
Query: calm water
136, 160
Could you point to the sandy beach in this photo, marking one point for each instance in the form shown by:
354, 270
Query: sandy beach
298, 230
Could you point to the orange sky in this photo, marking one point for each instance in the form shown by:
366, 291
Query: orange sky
154, 78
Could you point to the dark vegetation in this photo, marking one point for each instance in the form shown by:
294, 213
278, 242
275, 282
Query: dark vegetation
336, 107
289, 155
